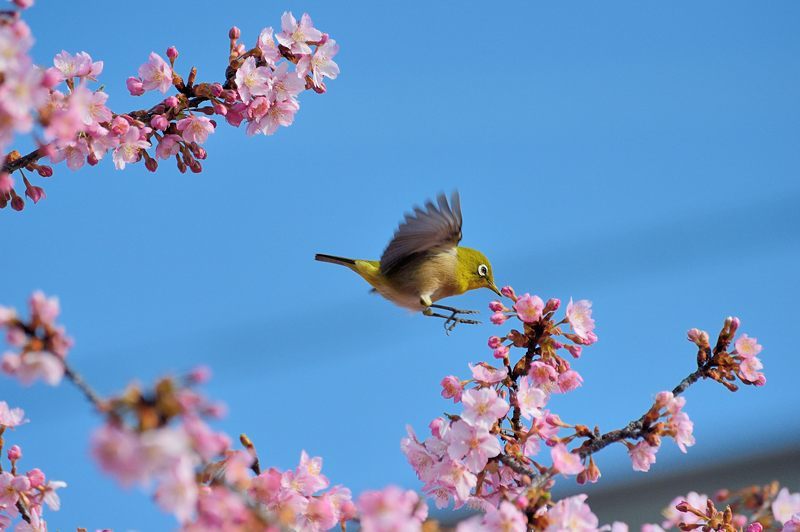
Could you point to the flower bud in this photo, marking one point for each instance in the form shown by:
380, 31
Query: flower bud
51, 77
120, 126
496, 306
234, 33
216, 90
159, 122
219, 108
17, 203
498, 318
755, 527
574, 350
92, 159
36, 476
45, 171
34, 193
508, 292
200, 375
14, 453
240, 49
495, 342
181, 166
501, 352
552, 305
151, 164
135, 86
698, 337
171, 101
195, 166
172, 53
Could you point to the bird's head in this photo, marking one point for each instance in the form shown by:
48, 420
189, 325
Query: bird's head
475, 270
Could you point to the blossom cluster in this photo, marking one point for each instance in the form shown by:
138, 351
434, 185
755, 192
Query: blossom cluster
39, 345
23, 496
489, 455
754, 509
261, 88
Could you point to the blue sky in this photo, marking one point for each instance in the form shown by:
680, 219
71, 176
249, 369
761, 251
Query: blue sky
639, 154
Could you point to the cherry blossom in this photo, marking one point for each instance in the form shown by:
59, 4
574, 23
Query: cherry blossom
785, 505
572, 514
296, 36
156, 74
483, 407
642, 456
473, 444
529, 308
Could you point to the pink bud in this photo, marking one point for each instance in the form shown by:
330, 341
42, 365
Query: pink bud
151, 164
17, 203
574, 350
234, 33
14, 453
23, 4
171, 101
436, 427
501, 352
216, 90
494, 342
508, 292
219, 108
36, 476
35, 193
51, 77
733, 323
92, 159
495, 306
498, 318
120, 126
236, 114
755, 527
195, 166
45, 171
172, 53
552, 305
135, 86
159, 122
240, 49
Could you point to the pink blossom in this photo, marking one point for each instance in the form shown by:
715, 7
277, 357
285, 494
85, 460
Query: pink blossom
252, 80
49, 495
529, 308
572, 514
530, 398
320, 64
569, 380
472, 444
156, 74
71, 66
34, 365
195, 128
391, 510
44, 309
642, 456
419, 456
574, 350
501, 352
483, 407
486, 374
785, 505
119, 453
177, 491
747, 347
168, 146
506, 518
306, 479
749, 370
13, 49
75, 152
129, 148
266, 43
286, 84
451, 388
543, 375
10, 488
295, 36
320, 514
11, 417
22, 92
458, 478
683, 427
565, 462
579, 315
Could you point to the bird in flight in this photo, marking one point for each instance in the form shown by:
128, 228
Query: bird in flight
423, 263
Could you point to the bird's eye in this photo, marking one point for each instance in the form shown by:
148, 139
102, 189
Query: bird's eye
483, 270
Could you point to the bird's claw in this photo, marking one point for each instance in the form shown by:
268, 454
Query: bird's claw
453, 319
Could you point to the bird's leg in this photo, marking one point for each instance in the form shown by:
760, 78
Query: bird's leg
452, 320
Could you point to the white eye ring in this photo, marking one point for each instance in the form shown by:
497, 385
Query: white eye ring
483, 270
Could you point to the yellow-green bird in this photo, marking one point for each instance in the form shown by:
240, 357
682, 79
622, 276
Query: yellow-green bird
423, 263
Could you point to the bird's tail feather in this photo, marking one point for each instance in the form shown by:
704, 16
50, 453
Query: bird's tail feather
334, 259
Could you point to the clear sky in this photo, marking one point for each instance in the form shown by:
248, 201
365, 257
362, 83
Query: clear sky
643, 155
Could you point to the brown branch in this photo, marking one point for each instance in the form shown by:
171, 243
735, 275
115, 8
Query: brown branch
84, 387
638, 428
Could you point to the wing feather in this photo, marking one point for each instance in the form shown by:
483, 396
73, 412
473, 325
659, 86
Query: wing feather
426, 229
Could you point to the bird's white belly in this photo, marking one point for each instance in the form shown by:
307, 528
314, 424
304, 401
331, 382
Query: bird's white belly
409, 301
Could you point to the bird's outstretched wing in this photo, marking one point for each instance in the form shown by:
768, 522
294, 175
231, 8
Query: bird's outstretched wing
434, 227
